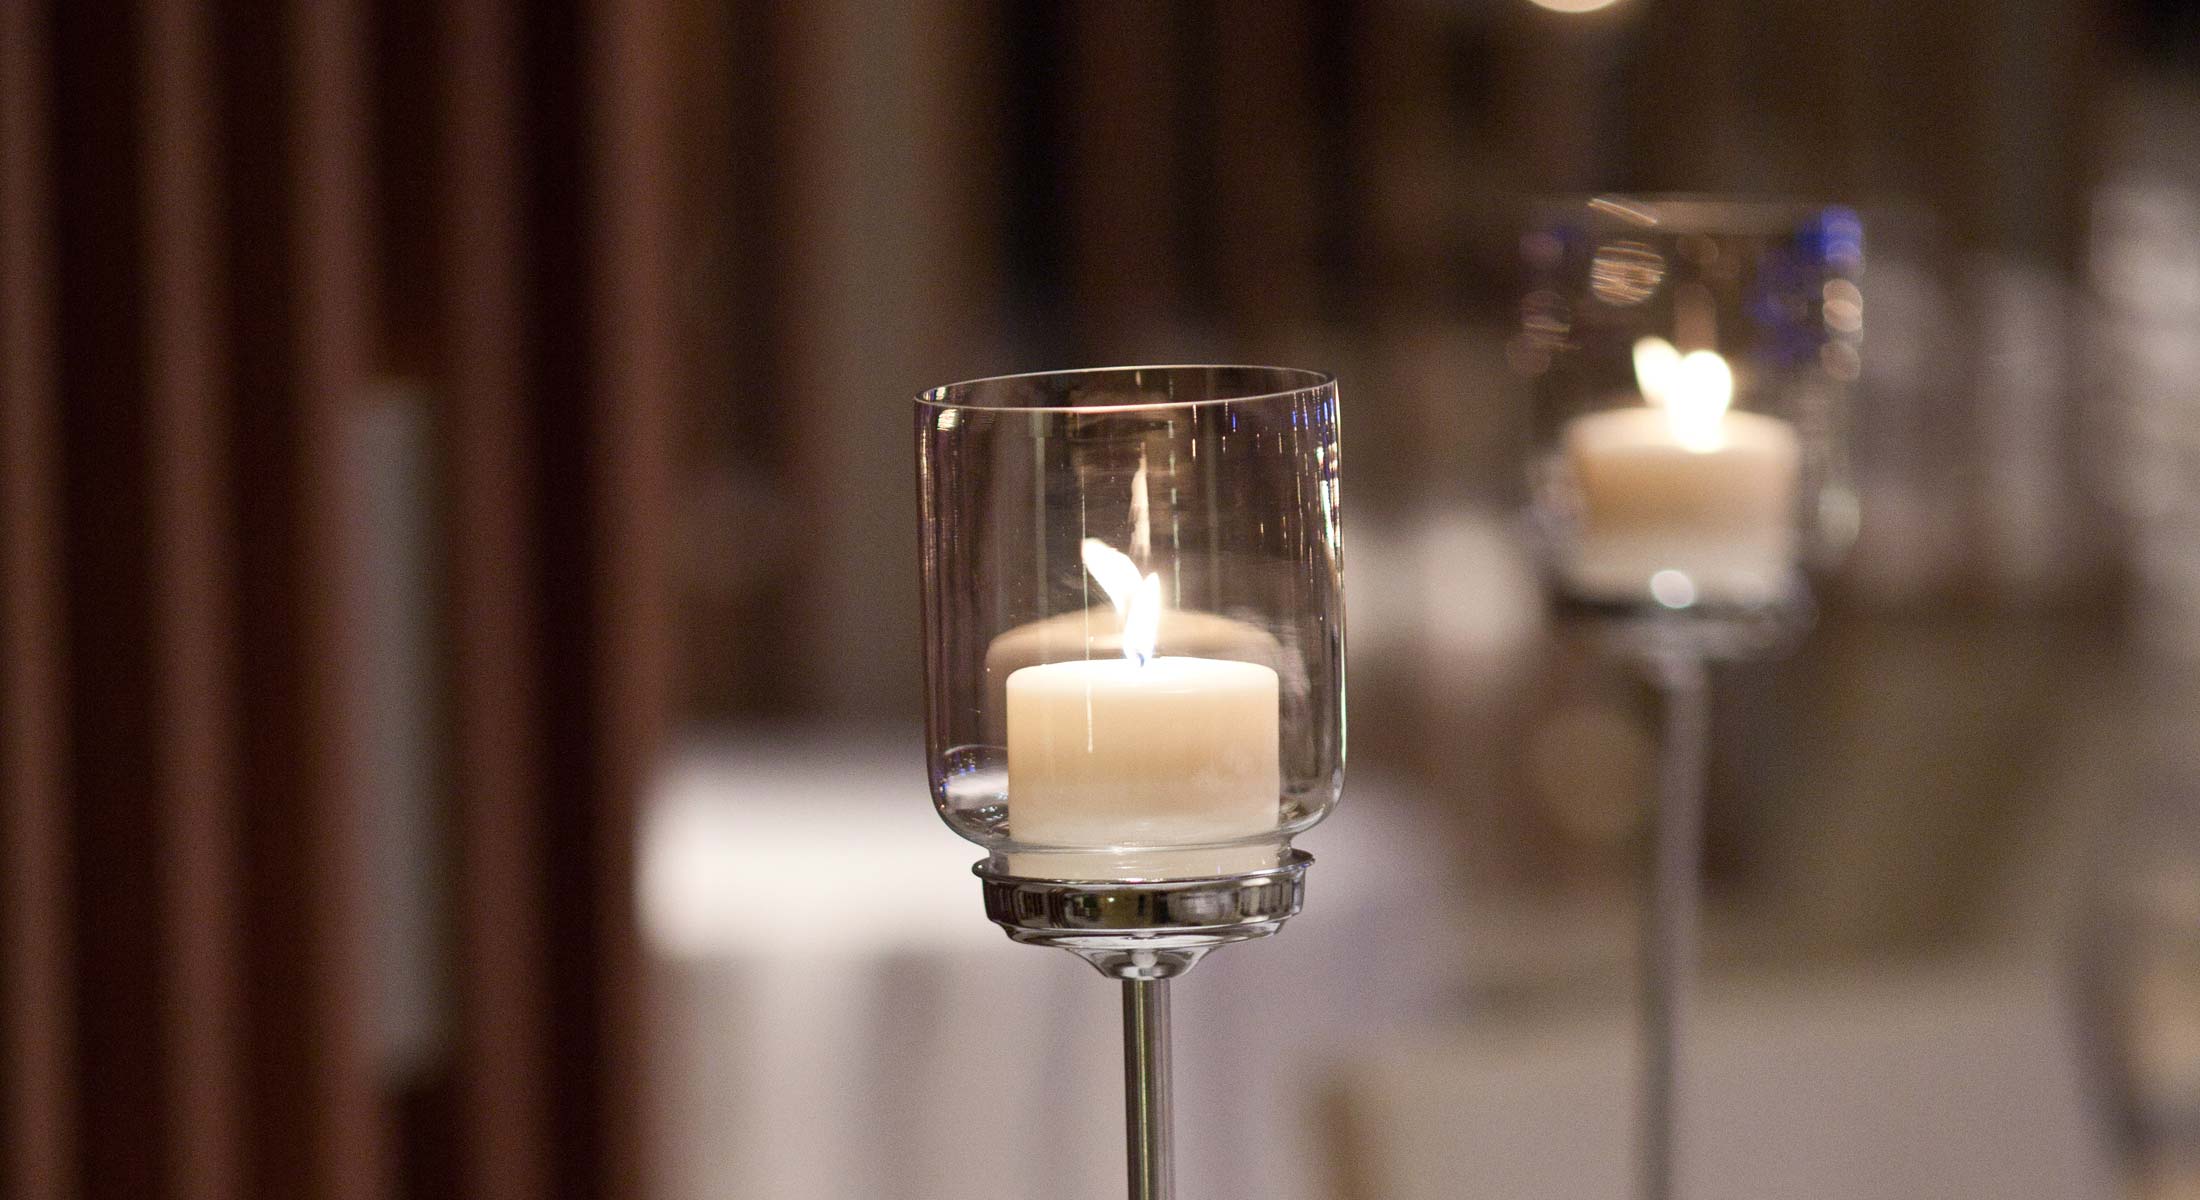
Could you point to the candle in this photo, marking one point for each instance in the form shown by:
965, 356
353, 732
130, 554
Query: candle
1142, 750
1164, 752
1682, 499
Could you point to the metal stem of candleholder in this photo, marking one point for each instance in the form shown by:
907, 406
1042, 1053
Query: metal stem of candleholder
1674, 651
1147, 1120
1671, 919
1145, 933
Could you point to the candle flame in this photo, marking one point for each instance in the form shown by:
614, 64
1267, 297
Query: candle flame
1113, 570
1694, 389
1137, 600
1142, 626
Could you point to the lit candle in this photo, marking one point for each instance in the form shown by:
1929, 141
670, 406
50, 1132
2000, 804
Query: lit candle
1682, 500
1142, 750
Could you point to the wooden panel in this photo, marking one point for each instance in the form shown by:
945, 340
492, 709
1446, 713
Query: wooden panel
37, 1110
1129, 287
330, 132
630, 84
1264, 201
495, 784
117, 924
188, 605
1405, 151
880, 297
328, 135
298, 296
185, 330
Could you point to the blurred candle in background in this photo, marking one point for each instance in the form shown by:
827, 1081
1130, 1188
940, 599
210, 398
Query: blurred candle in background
1682, 497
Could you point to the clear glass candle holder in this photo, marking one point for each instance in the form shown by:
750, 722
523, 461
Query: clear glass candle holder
1690, 360
1134, 617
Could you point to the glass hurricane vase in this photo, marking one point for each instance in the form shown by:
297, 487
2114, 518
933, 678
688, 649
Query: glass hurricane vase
1133, 616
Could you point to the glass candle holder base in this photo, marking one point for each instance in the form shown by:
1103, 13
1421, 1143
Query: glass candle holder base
1706, 632
1142, 866
1148, 930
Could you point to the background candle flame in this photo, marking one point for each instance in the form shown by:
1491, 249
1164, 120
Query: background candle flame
1697, 406
1657, 369
1694, 389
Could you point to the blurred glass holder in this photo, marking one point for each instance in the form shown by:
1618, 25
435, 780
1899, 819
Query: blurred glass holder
1134, 664
1690, 360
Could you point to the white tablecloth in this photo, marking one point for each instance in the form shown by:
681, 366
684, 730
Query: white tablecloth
838, 1021
1961, 1081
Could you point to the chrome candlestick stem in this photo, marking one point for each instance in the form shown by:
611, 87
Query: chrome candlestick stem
1148, 1120
1145, 933
1674, 652
1671, 918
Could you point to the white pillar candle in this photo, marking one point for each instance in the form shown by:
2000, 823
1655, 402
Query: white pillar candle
1121, 760
1682, 501
1156, 753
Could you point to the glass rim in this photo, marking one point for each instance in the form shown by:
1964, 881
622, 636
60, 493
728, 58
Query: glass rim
1692, 212
1309, 380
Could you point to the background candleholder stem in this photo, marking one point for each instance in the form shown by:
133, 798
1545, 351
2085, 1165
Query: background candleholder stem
1689, 359
1671, 920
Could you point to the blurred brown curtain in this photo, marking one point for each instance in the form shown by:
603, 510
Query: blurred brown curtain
219, 226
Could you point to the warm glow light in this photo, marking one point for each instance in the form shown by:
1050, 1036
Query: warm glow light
1673, 589
1694, 389
1574, 6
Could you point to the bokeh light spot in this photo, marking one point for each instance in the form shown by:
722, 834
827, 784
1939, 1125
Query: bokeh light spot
1624, 273
1673, 589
